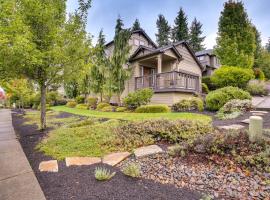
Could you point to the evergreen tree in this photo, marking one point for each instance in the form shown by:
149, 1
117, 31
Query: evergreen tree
119, 25
236, 39
258, 42
196, 40
268, 46
180, 30
163, 35
99, 68
136, 25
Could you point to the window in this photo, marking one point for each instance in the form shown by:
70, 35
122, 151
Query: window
136, 42
142, 43
201, 58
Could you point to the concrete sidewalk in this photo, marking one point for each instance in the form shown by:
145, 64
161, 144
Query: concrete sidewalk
17, 180
261, 103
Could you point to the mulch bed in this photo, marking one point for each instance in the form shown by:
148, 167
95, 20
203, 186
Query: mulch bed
79, 183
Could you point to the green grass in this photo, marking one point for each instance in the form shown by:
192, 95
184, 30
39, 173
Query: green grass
132, 116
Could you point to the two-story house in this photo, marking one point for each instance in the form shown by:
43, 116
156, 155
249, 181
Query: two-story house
209, 60
172, 71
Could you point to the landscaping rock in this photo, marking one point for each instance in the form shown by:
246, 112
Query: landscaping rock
78, 161
48, 166
255, 129
231, 127
246, 121
147, 150
115, 158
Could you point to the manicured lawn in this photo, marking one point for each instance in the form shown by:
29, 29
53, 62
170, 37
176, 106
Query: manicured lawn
132, 116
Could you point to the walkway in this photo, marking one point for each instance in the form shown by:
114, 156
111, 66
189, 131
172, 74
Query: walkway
261, 103
17, 180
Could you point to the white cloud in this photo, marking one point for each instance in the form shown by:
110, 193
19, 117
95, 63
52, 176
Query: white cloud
210, 40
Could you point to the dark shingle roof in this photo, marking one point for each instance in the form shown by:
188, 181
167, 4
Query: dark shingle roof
209, 52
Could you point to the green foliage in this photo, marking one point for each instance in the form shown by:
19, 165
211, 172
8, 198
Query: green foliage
259, 74
195, 38
133, 170
257, 88
82, 106
138, 98
80, 99
177, 150
163, 129
263, 62
153, 109
207, 80
205, 88
52, 98
136, 25
107, 109
193, 103
71, 88
236, 43
48, 107
217, 98
101, 105
121, 109
71, 104
103, 174
163, 35
232, 76
87, 122
92, 102
180, 30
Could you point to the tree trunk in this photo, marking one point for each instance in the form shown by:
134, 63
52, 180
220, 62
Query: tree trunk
43, 106
119, 99
101, 96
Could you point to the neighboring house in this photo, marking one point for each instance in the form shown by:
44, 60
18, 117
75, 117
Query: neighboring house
209, 60
173, 71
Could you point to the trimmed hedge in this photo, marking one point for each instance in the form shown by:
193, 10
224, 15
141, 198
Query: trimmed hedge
71, 104
153, 109
218, 98
232, 76
101, 105
138, 98
80, 99
194, 103
107, 109
82, 106
92, 102
121, 109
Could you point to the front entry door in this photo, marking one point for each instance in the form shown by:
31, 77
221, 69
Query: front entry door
148, 74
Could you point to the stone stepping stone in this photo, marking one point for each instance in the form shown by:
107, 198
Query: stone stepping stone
147, 150
48, 166
258, 111
115, 158
246, 121
231, 127
78, 161
258, 114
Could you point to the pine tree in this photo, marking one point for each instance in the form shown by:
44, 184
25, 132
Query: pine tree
258, 42
236, 43
268, 46
119, 25
136, 25
180, 30
195, 40
163, 35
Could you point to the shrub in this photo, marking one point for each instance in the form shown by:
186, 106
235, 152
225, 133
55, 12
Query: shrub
92, 102
256, 87
82, 106
121, 109
194, 103
205, 89
164, 129
259, 74
52, 98
47, 107
138, 98
71, 104
237, 105
218, 98
153, 109
177, 150
207, 81
232, 76
86, 122
107, 109
102, 105
80, 99
103, 174
61, 101
132, 170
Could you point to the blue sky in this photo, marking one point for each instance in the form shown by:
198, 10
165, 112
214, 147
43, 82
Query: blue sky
103, 14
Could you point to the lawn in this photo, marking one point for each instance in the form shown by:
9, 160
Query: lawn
132, 116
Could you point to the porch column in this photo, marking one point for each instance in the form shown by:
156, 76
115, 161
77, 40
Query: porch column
159, 67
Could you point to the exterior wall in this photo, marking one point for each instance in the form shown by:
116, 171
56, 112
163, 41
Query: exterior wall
167, 66
169, 98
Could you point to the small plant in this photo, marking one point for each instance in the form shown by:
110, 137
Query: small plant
177, 150
194, 103
107, 109
71, 104
103, 174
153, 109
205, 88
102, 105
138, 98
82, 106
121, 109
257, 88
92, 102
132, 170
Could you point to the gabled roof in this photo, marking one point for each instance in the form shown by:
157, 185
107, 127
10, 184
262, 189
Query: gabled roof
209, 52
140, 31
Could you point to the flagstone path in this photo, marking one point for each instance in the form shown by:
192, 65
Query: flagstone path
17, 179
261, 103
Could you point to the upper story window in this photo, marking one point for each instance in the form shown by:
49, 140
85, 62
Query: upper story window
201, 58
142, 43
136, 42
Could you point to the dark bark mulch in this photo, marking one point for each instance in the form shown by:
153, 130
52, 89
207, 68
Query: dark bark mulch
79, 182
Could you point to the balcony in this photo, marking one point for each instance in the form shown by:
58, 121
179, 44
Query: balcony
174, 81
